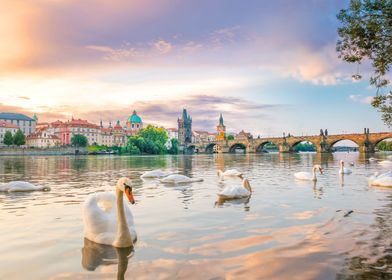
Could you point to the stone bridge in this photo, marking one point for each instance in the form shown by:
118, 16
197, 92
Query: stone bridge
323, 143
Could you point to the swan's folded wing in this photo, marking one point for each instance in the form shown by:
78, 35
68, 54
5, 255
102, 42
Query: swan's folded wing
96, 218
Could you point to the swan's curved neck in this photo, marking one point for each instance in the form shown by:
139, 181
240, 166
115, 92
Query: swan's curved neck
314, 178
124, 238
246, 185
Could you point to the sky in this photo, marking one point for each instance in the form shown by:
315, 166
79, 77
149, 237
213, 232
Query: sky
268, 66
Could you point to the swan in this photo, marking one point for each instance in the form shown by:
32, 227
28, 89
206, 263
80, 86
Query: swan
344, 170
106, 220
157, 173
381, 180
372, 159
21, 186
233, 192
307, 175
229, 173
179, 179
385, 163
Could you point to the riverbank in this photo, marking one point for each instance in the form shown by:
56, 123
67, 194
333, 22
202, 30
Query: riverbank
58, 151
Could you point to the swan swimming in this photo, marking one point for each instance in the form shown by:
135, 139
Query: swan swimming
344, 170
229, 173
307, 175
107, 220
381, 180
179, 179
385, 163
21, 186
233, 192
157, 173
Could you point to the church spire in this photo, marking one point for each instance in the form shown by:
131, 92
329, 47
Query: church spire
221, 119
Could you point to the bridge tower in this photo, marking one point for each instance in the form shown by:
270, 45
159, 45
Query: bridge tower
184, 131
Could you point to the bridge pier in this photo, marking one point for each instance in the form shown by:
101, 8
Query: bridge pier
367, 148
284, 148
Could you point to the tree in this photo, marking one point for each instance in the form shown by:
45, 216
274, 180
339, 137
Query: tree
8, 139
150, 140
19, 138
79, 140
174, 146
366, 33
230, 137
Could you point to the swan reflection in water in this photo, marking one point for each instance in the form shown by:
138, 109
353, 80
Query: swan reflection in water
95, 254
221, 201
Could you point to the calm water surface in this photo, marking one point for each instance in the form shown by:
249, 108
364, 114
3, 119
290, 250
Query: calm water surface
286, 230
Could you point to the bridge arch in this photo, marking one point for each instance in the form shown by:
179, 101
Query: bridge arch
351, 145
191, 149
212, 148
237, 146
378, 141
296, 143
261, 147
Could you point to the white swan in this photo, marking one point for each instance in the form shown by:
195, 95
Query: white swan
157, 173
179, 179
385, 163
307, 175
106, 220
381, 180
344, 170
229, 173
21, 186
233, 192
372, 159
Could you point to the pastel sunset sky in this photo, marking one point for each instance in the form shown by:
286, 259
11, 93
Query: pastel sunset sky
267, 66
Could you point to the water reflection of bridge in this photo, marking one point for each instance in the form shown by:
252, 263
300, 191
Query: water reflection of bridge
366, 142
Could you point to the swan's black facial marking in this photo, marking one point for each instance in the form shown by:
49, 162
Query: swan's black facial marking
128, 187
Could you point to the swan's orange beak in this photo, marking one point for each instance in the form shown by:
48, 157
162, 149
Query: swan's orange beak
321, 171
129, 195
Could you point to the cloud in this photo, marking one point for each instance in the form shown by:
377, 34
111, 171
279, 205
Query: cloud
24, 97
361, 99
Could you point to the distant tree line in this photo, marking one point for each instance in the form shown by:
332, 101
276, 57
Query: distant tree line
385, 146
304, 147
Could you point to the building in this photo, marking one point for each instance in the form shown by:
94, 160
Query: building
42, 139
25, 123
134, 124
220, 130
172, 133
184, 130
201, 136
244, 135
4, 127
77, 126
119, 136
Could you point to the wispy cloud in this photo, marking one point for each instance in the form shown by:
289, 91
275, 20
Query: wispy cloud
361, 99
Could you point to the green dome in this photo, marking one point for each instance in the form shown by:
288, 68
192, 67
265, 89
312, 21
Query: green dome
135, 118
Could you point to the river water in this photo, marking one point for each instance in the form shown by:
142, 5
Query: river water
286, 230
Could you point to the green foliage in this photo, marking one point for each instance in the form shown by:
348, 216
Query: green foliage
8, 138
366, 33
230, 137
304, 147
385, 146
19, 138
173, 147
79, 140
97, 148
150, 140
